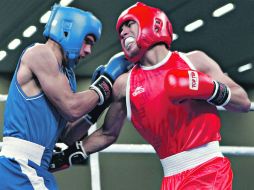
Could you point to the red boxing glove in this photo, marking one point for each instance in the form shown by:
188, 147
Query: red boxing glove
189, 84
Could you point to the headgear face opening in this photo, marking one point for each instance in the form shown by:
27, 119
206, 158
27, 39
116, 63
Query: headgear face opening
154, 27
69, 26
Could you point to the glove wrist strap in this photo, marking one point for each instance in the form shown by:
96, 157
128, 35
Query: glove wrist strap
221, 95
103, 87
79, 155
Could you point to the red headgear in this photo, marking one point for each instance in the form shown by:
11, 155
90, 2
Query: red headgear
154, 27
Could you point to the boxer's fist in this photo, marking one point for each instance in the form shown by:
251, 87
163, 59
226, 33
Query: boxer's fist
116, 66
189, 84
105, 75
74, 154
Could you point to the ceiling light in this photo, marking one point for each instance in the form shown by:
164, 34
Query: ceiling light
223, 10
44, 18
245, 67
29, 31
65, 2
175, 36
2, 54
194, 25
14, 44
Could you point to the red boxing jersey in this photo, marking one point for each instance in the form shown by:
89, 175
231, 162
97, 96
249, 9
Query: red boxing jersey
169, 128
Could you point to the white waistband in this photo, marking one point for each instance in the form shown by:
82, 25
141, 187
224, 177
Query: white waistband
191, 158
22, 149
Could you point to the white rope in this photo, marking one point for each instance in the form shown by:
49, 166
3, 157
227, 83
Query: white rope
129, 148
238, 150
145, 148
3, 97
223, 109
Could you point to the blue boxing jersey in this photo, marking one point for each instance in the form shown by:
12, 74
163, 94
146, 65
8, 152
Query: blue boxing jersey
34, 118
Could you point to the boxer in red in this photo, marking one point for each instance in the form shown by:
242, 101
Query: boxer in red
171, 99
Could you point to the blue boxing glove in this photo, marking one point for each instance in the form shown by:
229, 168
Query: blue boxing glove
105, 75
116, 66
97, 73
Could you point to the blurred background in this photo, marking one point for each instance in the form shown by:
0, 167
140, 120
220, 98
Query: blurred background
223, 29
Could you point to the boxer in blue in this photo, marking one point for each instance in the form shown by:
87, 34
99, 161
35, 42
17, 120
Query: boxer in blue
42, 98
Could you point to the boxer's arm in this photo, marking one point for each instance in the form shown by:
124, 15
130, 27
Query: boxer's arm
113, 69
102, 137
109, 132
78, 129
75, 131
239, 100
113, 121
55, 85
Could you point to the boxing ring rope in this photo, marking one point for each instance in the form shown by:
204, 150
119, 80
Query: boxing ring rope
143, 148
3, 97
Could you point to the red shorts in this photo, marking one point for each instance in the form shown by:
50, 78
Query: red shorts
215, 174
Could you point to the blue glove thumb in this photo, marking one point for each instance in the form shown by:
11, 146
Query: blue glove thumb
116, 66
98, 71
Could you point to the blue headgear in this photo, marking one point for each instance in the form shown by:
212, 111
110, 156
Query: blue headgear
69, 26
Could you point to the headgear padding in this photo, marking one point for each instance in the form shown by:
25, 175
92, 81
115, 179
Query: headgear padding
154, 27
69, 26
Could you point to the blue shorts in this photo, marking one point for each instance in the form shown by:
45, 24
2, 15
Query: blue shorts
18, 175
21, 166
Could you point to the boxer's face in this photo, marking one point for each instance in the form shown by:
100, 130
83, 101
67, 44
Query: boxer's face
129, 33
87, 45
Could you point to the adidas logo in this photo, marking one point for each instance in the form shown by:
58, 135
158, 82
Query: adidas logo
138, 91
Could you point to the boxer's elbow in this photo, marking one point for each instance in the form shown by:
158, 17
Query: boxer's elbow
74, 110
246, 105
71, 115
